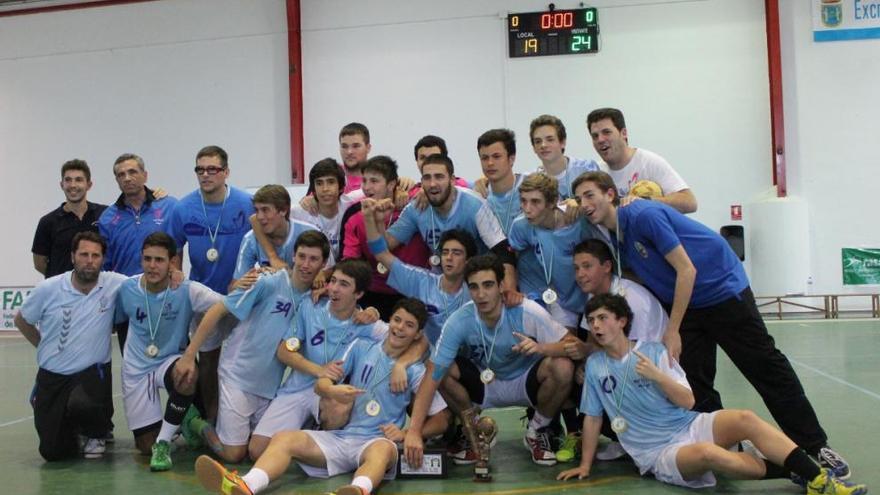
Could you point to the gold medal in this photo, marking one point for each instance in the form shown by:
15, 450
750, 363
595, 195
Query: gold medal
292, 344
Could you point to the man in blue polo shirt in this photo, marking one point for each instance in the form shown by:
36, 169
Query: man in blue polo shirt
213, 220
69, 318
696, 275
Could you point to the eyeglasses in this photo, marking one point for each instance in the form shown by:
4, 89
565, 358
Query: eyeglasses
208, 170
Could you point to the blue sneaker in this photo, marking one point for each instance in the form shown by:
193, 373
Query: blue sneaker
830, 459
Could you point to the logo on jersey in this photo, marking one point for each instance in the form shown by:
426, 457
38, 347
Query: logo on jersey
609, 383
640, 248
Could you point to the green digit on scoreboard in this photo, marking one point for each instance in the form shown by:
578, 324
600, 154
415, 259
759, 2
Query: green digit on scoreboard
590, 16
581, 42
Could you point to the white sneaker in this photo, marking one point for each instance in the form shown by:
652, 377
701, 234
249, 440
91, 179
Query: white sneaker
611, 451
94, 448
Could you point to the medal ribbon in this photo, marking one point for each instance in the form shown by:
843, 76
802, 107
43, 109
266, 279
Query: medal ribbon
153, 331
326, 323
618, 400
483, 339
213, 234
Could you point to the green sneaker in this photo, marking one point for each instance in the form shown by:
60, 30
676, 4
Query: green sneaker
161, 459
570, 448
191, 435
826, 483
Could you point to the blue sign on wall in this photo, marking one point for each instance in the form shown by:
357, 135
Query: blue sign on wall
836, 20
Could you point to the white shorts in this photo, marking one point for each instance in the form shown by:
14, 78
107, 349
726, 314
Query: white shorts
288, 412
565, 317
238, 413
140, 394
504, 393
665, 468
343, 453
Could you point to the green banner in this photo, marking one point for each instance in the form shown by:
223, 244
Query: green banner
860, 266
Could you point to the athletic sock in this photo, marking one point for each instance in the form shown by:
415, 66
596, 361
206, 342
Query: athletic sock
570, 417
167, 431
198, 425
800, 463
775, 471
539, 421
363, 483
256, 479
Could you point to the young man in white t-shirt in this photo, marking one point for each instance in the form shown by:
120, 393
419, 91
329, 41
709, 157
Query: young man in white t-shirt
628, 166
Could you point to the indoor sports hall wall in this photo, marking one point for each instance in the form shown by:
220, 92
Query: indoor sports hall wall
164, 78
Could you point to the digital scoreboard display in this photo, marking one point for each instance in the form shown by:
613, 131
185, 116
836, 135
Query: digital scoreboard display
557, 32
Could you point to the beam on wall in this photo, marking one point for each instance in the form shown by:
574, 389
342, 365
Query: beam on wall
777, 117
294, 59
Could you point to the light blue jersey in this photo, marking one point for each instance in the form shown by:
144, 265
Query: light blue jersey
265, 313
195, 222
416, 282
652, 420
574, 168
74, 327
469, 212
170, 331
251, 253
324, 339
553, 251
370, 369
491, 347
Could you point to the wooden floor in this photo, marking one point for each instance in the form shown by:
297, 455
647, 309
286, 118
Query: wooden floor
836, 361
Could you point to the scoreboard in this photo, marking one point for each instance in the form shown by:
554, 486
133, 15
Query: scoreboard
556, 32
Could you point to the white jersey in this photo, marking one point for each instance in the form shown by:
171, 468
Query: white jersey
74, 327
649, 318
330, 226
646, 165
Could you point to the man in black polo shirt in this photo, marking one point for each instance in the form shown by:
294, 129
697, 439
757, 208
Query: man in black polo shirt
51, 248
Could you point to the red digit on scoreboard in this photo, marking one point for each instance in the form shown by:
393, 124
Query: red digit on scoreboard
568, 20
546, 21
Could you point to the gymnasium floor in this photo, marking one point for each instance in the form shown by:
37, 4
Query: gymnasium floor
836, 361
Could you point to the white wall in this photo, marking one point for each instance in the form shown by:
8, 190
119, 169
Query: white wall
831, 108
691, 78
160, 79
164, 78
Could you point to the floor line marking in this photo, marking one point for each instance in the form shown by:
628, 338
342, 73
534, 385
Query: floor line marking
836, 379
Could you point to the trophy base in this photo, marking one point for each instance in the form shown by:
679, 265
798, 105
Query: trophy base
482, 474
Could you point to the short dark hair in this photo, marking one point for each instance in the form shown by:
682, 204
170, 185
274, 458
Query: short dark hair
162, 240
440, 159
383, 165
77, 164
275, 195
430, 141
414, 307
551, 120
326, 168
614, 303
129, 156
505, 136
353, 129
90, 236
357, 269
462, 236
214, 150
484, 262
596, 248
314, 239
614, 114
602, 180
